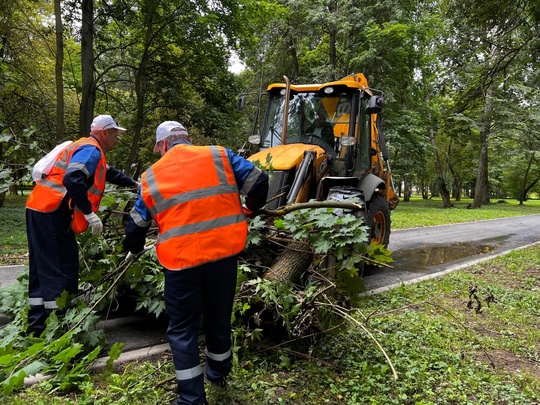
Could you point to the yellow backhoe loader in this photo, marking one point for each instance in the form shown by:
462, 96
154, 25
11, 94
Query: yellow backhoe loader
325, 142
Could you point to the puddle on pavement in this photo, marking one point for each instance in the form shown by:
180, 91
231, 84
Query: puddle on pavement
427, 257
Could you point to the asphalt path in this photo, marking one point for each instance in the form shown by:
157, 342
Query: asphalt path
418, 253
426, 252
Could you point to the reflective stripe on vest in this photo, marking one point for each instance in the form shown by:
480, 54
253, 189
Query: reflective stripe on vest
192, 195
49, 192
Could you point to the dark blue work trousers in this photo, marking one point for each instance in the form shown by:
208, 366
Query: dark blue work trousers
207, 290
54, 262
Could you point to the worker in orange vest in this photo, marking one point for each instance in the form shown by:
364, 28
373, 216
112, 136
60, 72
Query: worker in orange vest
193, 194
64, 202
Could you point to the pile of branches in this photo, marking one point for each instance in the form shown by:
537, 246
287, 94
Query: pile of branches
302, 270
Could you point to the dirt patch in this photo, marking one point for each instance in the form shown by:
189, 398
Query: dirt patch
9, 257
507, 362
516, 279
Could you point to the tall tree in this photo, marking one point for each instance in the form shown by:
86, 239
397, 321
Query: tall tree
88, 96
487, 42
518, 138
167, 60
59, 70
27, 93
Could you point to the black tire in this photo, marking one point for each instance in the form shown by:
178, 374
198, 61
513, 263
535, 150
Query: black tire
378, 219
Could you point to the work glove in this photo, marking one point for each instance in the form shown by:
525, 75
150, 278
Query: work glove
248, 213
95, 223
132, 256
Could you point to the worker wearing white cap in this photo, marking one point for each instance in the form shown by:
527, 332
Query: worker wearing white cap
62, 203
193, 194
170, 129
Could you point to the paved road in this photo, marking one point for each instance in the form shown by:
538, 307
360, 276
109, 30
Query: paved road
418, 252
422, 252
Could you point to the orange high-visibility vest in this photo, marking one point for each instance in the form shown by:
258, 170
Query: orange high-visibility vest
192, 195
49, 191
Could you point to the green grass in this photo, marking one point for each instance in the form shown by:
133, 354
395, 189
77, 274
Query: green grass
415, 213
419, 212
13, 240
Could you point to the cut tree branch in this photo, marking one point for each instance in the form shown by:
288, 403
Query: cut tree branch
312, 204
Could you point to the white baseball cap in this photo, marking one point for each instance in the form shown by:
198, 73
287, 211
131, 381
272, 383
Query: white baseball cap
166, 129
105, 122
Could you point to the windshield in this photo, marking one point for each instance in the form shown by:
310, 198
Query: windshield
315, 113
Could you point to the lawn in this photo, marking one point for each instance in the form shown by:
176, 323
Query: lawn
13, 241
419, 212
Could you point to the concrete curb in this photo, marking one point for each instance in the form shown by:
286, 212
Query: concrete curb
132, 355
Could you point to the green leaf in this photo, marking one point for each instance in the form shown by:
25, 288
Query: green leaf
34, 367
64, 300
279, 224
114, 353
67, 354
5, 136
90, 357
13, 382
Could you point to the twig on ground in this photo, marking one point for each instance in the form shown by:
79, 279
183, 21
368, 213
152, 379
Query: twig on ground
344, 313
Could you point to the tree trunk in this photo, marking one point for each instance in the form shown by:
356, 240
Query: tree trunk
481, 190
290, 265
333, 53
88, 98
438, 170
481, 193
139, 90
332, 32
526, 188
457, 182
406, 188
59, 30
294, 55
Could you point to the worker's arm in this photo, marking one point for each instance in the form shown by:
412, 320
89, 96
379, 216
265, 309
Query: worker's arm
115, 176
79, 176
80, 172
137, 225
252, 181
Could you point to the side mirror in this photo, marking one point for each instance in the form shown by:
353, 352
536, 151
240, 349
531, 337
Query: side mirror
254, 139
376, 104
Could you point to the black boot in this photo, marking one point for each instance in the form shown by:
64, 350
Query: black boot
220, 383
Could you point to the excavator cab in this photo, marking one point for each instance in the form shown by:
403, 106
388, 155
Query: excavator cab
324, 141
